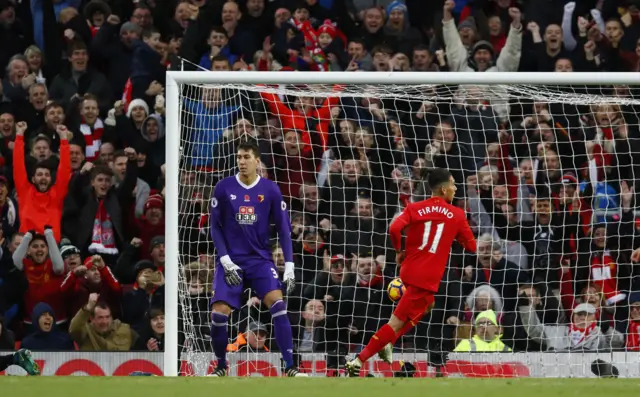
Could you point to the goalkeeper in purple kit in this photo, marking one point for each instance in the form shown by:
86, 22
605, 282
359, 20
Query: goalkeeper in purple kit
242, 209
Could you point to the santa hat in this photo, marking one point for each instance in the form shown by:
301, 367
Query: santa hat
135, 103
154, 201
329, 28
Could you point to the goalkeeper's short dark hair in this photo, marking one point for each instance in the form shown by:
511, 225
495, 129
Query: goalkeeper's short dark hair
437, 177
249, 146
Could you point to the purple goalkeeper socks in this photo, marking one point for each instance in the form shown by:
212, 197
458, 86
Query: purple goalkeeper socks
219, 337
282, 329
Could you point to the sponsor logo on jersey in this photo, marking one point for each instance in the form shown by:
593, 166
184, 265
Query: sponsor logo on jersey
246, 198
232, 197
260, 198
246, 215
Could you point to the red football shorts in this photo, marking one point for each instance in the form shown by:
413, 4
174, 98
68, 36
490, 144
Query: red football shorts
413, 304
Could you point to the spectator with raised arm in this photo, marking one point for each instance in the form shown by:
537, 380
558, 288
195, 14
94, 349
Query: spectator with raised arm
112, 44
481, 57
137, 204
94, 329
91, 277
98, 206
39, 258
148, 293
583, 332
40, 199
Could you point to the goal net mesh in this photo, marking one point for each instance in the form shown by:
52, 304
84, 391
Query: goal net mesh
546, 174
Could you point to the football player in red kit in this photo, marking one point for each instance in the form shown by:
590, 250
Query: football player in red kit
432, 225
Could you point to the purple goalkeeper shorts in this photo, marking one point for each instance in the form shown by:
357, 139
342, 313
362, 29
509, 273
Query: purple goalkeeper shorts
261, 277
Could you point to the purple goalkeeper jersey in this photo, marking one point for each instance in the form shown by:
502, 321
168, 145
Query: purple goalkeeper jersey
241, 217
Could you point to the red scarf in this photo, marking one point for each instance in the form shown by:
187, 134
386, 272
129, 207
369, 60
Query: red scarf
601, 156
579, 335
103, 239
604, 273
633, 336
92, 138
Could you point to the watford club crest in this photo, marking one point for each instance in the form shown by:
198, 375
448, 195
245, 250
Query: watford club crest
260, 198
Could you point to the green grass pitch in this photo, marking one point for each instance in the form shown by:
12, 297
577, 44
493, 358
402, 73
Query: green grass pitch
313, 387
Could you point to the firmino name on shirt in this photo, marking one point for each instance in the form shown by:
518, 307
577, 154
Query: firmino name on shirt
435, 209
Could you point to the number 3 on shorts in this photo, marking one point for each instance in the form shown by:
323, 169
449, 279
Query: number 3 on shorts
275, 274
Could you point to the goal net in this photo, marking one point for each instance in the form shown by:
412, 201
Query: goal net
547, 175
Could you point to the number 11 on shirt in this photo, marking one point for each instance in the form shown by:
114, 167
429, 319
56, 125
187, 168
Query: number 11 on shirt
427, 234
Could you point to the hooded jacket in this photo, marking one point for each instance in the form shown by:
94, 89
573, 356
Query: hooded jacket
156, 149
41, 340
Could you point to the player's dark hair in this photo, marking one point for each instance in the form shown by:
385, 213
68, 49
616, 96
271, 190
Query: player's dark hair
438, 177
249, 146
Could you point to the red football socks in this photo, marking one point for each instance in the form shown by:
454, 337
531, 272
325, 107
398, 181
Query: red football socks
378, 341
405, 328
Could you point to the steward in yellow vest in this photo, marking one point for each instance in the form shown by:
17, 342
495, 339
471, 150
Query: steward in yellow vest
486, 338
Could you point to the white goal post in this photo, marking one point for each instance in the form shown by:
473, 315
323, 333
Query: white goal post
176, 81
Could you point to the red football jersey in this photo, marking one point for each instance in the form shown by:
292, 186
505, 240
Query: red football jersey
44, 286
432, 226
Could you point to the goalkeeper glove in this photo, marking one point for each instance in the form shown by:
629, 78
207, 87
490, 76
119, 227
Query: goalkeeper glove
232, 272
289, 277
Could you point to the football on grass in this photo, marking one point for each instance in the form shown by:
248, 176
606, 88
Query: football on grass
395, 289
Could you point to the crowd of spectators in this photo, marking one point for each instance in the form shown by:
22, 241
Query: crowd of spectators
549, 185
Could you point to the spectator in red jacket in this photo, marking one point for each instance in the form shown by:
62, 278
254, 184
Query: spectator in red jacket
40, 200
92, 277
40, 260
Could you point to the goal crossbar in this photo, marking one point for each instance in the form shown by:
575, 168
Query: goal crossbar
403, 78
